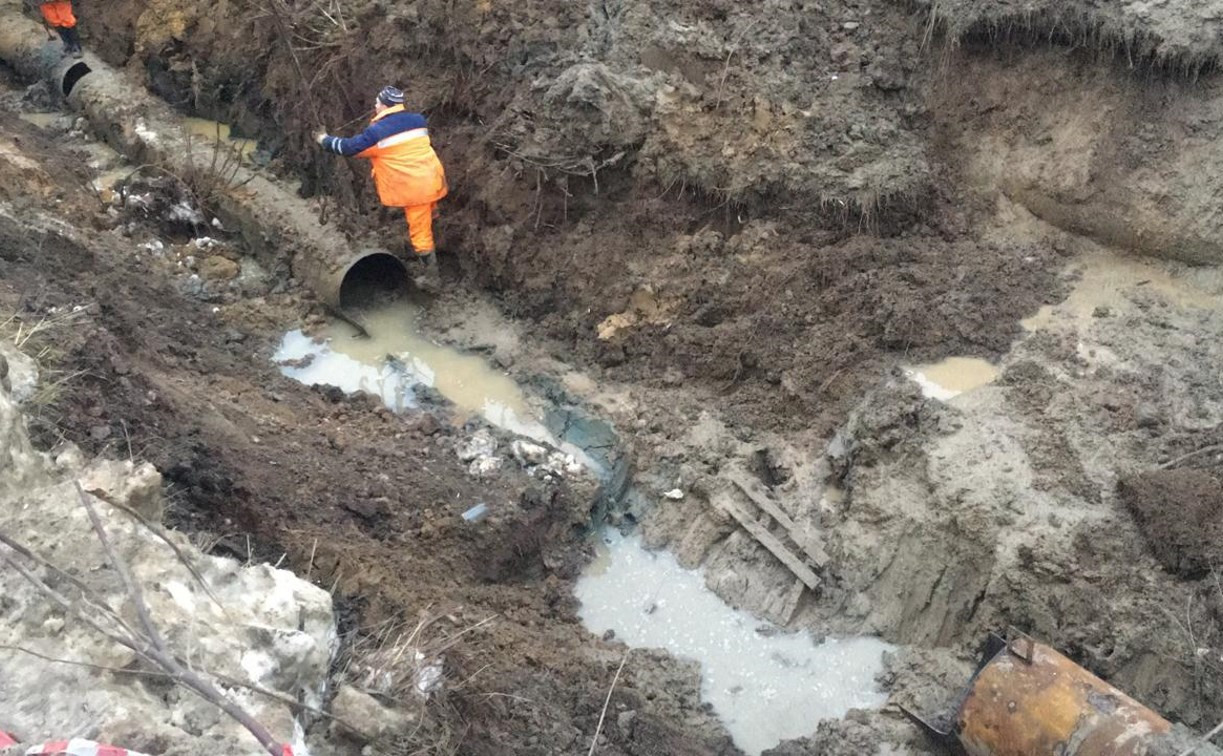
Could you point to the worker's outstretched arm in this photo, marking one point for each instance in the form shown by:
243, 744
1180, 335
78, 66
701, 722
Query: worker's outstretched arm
353, 145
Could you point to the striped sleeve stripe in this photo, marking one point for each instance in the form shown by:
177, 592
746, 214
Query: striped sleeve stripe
402, 137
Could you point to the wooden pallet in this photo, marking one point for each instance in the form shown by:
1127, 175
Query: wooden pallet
743, 502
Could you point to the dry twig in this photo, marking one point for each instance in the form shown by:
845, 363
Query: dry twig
594, 742
154, 647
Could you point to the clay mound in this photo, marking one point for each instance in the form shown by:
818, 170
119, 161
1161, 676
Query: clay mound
1182, 35
1180, 513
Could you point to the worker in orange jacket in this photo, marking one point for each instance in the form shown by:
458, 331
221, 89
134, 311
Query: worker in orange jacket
58, 15
406, 170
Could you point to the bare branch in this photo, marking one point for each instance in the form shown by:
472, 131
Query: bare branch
133, 590
1205, 740
272, 694
161, 533
89, 596
162, 657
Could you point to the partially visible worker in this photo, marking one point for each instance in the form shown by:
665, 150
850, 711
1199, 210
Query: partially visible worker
406, 170
58, 15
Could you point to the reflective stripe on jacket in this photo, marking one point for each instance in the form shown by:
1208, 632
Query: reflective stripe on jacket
406, 170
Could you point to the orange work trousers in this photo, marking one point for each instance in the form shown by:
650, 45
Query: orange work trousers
420, 226
59, 14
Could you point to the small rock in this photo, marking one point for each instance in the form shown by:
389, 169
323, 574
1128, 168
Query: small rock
845, 53
480, 445
365, 718
139, 487
366, 508
99, 432
529, 454
484, 466
218, 268
425, 423
1146, 415
674, 494
625, 720
1101, 311
560, 463
850, 25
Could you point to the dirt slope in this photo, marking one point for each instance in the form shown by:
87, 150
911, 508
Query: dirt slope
747, 219
364, 502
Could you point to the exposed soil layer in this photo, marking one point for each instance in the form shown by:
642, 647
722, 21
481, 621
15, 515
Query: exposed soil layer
1180, 513
1183, 37
362, 501
748, 150
739, 222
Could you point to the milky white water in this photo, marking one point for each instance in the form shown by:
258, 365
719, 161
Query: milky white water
765, 687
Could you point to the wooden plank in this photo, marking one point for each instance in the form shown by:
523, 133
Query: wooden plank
814, 550
791, 605
771, 542
764, 502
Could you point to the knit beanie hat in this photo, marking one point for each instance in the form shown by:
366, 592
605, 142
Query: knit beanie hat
390, 96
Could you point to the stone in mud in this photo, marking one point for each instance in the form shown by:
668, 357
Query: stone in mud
484, 466
135, 486
529, 454
480, 445
362, 716
218, 268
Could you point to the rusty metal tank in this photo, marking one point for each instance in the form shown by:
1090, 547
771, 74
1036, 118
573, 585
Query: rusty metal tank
1026, 699
1029, 699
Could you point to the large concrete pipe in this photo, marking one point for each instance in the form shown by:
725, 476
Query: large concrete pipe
1026, 699
277, 225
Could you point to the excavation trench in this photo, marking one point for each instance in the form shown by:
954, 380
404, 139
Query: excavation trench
378, 347
280, 228
388, 355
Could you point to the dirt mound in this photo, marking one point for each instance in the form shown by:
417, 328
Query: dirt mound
1180, 513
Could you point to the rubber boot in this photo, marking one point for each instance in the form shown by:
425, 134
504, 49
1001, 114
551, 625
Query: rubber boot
72, 42
65, 34
430, 278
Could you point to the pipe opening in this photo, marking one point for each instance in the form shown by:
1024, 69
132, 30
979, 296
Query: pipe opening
376, 276
73, 75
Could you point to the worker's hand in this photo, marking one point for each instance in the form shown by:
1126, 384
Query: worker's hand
320, 136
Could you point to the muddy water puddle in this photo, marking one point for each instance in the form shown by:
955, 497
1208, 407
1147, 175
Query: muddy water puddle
395, 360
764, 684
953, 376
1104, 281
214, 132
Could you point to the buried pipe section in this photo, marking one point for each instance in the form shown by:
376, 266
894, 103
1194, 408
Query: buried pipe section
281, 229
370, 275
1026, 699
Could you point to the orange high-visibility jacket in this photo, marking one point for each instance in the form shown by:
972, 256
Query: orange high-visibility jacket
406, 170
